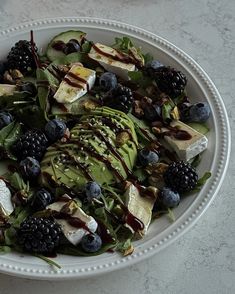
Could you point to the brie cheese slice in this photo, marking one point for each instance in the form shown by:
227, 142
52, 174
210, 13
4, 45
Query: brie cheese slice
6, 206
107, 57
76, 83
72, 233
139, 206
186, 149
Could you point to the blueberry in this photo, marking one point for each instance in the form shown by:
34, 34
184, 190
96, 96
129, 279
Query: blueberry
91, 243
108, 81
169, 198
55, 129
199, 112
154, 64
92, 190
41, 199
71, 47
147, 157
5, 119
30, 168
152, 112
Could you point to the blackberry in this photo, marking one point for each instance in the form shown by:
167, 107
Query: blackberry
181, 177
21, 57
119, 98
32, 144
170, 81
39, 235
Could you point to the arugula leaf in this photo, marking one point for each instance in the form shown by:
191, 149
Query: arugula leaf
147, 58
139, 78
196, 160
10, 236
48, 260
86, 46
8, 135
17, 181
124, 246
203, 179
140, 173
43, 91
123, 44
70, 58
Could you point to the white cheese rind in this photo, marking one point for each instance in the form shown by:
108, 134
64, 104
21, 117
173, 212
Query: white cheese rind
141, 207
67, 93
120, 68
6, 206
73, 234
187, 149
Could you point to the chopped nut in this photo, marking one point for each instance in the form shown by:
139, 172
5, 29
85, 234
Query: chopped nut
157, 168
138, 111
8, 78
156, 130
128, 251
90, 104
154, 191
127, 185
122, 138
66, 136
70, 207
175, 113
16, 74
147, 100
76, 63
134, 53
63, 68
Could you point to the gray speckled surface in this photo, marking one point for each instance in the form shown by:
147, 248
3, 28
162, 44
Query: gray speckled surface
203, 260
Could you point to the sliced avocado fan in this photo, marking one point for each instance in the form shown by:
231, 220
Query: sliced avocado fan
92, 153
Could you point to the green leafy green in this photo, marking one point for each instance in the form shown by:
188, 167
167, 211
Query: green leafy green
147, 58
43, 90
86, 47
9, 135
124, 245
70, 58
200, 127
196, 160
48, 260
5, 249
166, 111
139, 78
10, 236
140, 173
203, 179
123, 44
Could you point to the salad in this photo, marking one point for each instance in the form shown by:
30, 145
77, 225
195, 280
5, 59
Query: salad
98, 140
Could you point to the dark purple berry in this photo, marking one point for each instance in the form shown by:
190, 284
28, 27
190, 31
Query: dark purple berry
91, 243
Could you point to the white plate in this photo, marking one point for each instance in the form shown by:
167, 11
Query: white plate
215, 159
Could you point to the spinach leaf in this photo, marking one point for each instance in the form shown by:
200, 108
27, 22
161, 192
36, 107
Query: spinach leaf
8, 135
140, 79
203, 179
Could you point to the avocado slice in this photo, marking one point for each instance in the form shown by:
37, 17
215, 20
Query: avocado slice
92, 153
54, 54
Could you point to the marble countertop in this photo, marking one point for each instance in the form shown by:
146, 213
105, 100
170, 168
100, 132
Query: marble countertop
203, 260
